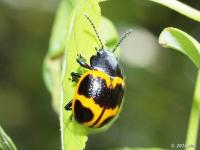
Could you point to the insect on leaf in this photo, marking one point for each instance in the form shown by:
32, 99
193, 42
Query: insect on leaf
80, 39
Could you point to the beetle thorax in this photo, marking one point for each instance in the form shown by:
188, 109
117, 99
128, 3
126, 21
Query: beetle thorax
105, 61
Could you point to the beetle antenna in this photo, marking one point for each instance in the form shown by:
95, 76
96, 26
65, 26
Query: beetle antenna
95, 30
122, 39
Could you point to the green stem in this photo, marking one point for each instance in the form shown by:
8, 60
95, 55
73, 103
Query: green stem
194, 116
180, 8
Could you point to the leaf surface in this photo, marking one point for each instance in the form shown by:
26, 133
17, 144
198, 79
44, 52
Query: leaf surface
181, 41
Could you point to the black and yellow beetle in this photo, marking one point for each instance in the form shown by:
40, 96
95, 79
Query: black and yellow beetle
99, 90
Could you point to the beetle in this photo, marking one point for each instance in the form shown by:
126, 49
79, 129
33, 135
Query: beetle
99, 91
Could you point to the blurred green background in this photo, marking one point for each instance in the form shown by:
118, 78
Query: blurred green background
160, 82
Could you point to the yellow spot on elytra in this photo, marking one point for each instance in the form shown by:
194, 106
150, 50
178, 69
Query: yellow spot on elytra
96, 73
108, 113
117, 80
88, 103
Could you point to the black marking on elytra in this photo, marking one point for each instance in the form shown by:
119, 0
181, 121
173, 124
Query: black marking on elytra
116, 95
100, 116
112, 98
106, 121
81, 113
93, 87
96, 88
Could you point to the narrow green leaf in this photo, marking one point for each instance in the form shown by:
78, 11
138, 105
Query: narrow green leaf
80, 39
180, 8
5, 142
193, 125
181, 41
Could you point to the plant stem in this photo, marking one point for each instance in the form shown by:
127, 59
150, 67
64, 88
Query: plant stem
194, 116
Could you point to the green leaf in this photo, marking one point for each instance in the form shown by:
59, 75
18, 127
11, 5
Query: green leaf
52, 62
181, 41
5, 142
80, 39
74, 35
58, 35
52, 77
180, 8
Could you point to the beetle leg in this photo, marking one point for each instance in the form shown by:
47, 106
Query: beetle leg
68, 106
75, 76
82, 61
